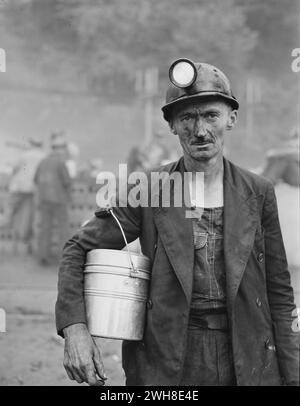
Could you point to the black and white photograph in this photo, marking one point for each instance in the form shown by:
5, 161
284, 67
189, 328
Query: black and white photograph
149, 195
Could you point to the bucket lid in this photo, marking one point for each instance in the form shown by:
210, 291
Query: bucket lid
117, 258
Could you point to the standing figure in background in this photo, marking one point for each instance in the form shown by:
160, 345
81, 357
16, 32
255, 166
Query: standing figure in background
20, 218
282, 167
72, 159
283, 162
135, 160
54, 191
158, 151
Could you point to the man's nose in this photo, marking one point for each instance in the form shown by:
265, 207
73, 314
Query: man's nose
200, 128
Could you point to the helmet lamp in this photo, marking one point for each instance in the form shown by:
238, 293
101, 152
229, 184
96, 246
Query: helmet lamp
183, 73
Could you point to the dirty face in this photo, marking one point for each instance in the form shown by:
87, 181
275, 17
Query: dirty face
201, 127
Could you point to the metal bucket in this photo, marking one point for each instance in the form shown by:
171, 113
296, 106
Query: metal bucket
116, 291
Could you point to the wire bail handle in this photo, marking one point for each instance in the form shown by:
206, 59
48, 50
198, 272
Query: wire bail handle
134, 271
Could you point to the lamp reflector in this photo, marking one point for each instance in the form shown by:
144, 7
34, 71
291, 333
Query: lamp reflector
183, 73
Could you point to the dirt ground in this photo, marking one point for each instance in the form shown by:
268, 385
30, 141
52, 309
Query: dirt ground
31, 353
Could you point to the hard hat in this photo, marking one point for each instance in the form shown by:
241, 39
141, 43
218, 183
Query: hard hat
190, 81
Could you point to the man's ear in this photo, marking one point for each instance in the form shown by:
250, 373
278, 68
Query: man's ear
172, 128
232, 119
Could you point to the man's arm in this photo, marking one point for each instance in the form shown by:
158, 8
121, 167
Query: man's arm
101, 232
280, 293
82, 359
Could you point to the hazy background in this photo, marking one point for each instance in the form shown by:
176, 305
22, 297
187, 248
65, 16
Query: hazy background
73, 65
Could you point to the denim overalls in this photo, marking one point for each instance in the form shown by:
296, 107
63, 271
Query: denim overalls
208, 358
209, 286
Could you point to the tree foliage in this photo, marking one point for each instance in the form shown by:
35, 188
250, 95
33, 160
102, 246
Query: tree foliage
95, 47
276, 23
115, 38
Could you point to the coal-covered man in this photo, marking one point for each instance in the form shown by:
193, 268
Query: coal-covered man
221, 309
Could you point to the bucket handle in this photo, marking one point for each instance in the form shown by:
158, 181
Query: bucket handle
134, 271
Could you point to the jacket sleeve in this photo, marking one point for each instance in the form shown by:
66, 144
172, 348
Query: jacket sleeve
101, 232
280, 293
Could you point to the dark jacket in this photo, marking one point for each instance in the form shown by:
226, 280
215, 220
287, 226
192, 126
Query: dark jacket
259, 294
53, 180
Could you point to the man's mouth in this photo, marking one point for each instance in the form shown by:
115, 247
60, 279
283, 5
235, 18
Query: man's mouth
202, 144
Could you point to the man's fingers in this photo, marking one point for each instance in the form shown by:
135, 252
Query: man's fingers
73, 372
91, 378
99, 364
68, 371
78, 376
68, 368
100, 368
99, 383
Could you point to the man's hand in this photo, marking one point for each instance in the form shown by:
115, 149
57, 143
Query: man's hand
82, 359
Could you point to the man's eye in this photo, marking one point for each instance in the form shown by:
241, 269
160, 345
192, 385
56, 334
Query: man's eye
211, 115
186, 118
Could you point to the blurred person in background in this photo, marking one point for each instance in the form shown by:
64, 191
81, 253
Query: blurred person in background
150, 156
282, 167
156, 152
20, 215
53, 183
72, 158
283, 162
96, 166
135, 160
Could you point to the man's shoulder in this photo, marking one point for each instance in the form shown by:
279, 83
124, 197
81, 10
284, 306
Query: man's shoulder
240, 174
